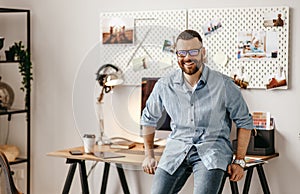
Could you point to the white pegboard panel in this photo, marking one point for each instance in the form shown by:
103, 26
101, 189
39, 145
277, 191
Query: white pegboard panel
225, 40
151, 29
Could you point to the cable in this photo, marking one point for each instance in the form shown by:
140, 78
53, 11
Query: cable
92, 168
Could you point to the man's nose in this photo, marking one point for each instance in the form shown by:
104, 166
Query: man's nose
187, 55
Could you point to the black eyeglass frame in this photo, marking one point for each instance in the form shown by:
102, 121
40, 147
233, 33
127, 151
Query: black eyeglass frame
188, 51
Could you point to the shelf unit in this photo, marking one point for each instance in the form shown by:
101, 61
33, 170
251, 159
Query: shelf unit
26, 110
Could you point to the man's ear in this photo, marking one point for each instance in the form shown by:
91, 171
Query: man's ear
203, 51
204, 55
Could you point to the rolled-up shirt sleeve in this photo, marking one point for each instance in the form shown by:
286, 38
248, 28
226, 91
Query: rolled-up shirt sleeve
153, 109
237, 107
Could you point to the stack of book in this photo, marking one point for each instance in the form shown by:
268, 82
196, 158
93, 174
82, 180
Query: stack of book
262, 120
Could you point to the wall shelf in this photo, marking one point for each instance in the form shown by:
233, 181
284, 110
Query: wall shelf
27, 111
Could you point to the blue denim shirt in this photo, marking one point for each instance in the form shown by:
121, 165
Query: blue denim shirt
201, 118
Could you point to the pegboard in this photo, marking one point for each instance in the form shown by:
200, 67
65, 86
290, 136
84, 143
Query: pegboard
152, 28
225, 40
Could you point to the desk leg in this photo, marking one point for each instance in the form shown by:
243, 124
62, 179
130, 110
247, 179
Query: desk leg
223, 183
83, 177
122, 178
234, 187
69, 178
248, 180
262, 178
105, 178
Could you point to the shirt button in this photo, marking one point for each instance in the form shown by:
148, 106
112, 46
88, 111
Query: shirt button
192, 120
192, 104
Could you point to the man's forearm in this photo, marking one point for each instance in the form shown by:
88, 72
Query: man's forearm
243, 141
148, 136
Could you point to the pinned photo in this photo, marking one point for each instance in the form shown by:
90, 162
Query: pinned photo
169, 46
273, 19
257, 45
211, 27
117, 30
277, 80
139, 63
240, 78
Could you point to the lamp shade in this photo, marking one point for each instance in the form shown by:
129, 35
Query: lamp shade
108, 76
113, 80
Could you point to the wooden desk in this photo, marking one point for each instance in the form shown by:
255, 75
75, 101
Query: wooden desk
73, 160
137, 159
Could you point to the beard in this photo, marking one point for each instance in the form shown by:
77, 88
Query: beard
190, 67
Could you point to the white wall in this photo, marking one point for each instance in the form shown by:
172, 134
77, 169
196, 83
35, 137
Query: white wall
63, 32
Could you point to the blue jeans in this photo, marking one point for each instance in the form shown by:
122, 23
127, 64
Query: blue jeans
205, 181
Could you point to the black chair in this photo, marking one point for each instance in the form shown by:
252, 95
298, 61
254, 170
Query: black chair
9, 181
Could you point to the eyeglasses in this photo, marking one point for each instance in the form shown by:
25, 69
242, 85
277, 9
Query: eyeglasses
192, 52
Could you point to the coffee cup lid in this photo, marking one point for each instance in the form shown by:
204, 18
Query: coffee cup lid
89, 136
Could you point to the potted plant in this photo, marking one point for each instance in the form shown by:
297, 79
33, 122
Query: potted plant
22, 55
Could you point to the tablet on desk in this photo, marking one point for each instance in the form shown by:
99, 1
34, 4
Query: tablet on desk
106, 155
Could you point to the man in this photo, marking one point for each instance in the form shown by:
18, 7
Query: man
201, 103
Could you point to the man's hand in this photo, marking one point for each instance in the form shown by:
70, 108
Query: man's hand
149, 165
236, 172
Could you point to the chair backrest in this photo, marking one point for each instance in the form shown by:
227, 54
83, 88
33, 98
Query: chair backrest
9, 181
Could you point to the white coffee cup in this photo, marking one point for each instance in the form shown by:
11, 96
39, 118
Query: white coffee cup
89, 141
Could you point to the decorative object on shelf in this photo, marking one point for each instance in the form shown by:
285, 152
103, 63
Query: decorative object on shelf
11, 152
6, 96
108, 76
1, 42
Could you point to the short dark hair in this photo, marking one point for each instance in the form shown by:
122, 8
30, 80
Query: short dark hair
189, 34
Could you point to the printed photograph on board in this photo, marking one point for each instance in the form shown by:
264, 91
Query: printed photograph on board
117, 30
273, 19
257, 45
211, 27
277, 80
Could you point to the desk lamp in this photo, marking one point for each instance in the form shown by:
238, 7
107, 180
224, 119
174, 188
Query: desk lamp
108, 76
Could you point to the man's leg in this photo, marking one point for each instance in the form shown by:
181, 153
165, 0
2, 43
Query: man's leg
164, 183
207, 181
